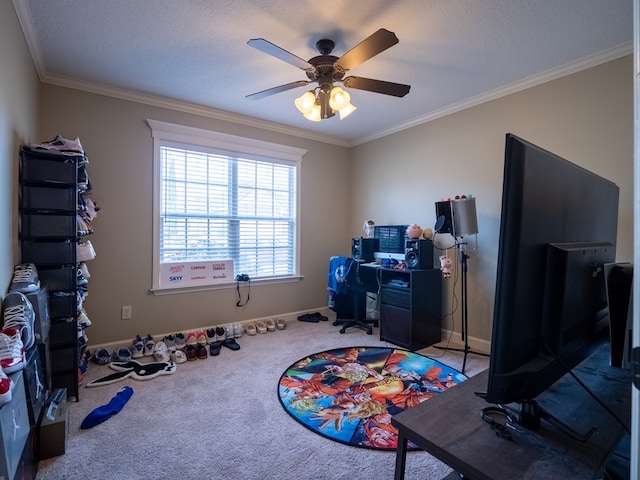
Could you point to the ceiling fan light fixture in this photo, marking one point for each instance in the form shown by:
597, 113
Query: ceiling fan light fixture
314, 115
346, 111
339, 98
305, 102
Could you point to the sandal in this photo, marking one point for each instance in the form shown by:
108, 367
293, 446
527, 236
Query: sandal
309, 317
261, 327
281, 323
250, 329
270, 324
231, 343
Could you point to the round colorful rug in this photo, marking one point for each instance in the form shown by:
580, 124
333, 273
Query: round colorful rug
350, 394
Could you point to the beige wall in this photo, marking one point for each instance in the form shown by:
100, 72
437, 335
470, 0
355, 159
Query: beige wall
118, 142
586, 117
18, 97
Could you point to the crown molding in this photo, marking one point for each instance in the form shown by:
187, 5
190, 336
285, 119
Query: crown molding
528, 82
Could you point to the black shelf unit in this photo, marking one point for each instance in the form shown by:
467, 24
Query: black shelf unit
410, 307
48, 234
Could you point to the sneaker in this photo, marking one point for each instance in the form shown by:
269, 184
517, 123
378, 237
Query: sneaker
63, 145
201, 351
25, 279
82, 266
228, 330
181, 342
170, 342
6, 388
201, 337
178, 356
149, 346
11, 351
190, 352
83, 319
121, 354
101, 356
85, 251
221, 333
191, 338
237, 330
19, 314
211, 335
137, 347
160, 352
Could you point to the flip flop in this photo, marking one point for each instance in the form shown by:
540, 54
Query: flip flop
308, 317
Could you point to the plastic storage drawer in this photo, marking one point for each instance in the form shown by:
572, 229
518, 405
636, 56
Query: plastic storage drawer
36, 168
63, 360
47, 225
63, 278
63, 304
63, 332
49, 199
48, 253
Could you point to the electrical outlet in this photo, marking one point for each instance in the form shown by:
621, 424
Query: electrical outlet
125, 313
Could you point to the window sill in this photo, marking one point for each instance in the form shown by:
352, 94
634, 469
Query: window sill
222, 286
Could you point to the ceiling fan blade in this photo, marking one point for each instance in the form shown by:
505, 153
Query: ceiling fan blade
366, 49
274, 90
275, 51
377, 86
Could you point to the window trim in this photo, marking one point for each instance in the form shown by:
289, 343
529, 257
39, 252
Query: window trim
225, 143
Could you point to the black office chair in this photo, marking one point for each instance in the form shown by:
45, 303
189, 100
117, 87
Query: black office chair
347, 295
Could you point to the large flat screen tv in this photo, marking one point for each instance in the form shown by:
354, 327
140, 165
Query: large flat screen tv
558, 228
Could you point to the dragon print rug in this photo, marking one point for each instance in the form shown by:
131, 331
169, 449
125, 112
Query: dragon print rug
350, 394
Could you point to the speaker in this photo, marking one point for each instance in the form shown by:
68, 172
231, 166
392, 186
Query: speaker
419, 254
444, 223
362, 249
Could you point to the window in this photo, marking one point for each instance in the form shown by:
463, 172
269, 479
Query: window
223, 206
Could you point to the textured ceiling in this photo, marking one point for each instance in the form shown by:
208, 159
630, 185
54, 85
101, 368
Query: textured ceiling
193, 54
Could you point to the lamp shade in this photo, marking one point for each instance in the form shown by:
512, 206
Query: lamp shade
314, 115
346, 111
339, 98
305, 102
465, 220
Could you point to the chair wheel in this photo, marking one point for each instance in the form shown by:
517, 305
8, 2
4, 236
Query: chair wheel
342, 330
369, 332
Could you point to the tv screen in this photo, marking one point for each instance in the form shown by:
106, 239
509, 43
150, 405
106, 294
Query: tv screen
558, 227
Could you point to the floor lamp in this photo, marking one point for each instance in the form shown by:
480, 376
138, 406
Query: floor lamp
462, 220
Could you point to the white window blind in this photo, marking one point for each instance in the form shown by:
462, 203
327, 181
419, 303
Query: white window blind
216, 204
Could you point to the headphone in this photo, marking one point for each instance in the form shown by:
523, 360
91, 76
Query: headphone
500, 421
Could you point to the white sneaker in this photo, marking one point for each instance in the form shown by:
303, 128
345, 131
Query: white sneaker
85, 251
11, 351
178, 356
6, 388
161, 352
237, 330
149, 346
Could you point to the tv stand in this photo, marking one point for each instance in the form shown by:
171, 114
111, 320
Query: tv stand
449, 427
531, 414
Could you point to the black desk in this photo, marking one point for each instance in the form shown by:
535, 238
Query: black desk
450, 428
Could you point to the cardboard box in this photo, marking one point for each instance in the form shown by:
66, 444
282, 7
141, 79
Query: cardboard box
54, 428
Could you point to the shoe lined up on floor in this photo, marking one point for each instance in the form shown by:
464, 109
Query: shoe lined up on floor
101, 356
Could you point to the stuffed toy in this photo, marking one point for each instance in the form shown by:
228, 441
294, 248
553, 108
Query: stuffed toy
369, 228
414, 231
445, 266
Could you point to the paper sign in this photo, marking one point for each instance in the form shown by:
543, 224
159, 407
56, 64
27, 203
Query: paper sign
193, 274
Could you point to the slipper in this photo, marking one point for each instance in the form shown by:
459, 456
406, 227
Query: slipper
319, 316
308, 317
214, 348
250, 329
281, 323
231, 343
270, 324
261, 327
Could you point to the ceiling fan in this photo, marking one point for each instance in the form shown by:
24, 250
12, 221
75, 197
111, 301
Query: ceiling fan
325, 69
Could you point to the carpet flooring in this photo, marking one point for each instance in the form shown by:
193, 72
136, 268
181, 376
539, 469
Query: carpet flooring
220, 418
